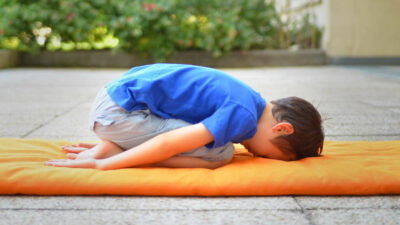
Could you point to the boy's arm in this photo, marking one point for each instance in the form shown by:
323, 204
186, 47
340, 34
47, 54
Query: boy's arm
159, 148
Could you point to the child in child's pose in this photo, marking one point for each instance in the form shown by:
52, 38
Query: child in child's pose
188, 116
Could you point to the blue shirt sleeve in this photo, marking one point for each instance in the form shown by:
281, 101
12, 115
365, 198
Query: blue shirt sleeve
230, 123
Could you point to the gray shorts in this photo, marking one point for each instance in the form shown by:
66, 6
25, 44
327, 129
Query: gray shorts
129, 129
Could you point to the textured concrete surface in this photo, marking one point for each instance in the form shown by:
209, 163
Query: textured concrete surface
358, 103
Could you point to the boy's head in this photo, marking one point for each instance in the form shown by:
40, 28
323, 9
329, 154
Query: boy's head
306, 138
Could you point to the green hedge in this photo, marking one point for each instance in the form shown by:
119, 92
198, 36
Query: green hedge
157, 28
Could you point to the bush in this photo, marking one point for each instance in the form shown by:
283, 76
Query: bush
156, 28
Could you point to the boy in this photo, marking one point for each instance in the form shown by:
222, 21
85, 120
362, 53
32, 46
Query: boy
177, 115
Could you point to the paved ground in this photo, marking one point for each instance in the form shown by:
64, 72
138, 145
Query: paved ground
358, 103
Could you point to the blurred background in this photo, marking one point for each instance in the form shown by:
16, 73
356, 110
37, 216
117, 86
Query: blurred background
347, 30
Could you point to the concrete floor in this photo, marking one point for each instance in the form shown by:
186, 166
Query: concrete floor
357, 103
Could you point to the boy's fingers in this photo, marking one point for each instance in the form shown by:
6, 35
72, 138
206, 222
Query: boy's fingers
86, 145
72, 155
74, 149
54, 162
88, 163
58, 162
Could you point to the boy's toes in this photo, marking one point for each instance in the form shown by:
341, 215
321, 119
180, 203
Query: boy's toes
72, 155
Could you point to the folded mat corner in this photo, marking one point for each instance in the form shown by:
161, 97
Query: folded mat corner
345, 168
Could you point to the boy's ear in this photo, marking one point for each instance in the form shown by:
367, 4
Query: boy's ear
283, 128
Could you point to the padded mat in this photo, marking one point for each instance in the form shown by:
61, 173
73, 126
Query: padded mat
346, 168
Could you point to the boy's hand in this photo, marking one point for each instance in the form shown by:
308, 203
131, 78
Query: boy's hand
80, 151
78, 148
84, 163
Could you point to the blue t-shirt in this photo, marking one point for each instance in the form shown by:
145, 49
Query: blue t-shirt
229, 108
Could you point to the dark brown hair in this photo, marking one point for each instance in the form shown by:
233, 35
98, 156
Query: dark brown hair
307, 140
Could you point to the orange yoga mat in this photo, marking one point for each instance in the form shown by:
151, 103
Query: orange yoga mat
346, 168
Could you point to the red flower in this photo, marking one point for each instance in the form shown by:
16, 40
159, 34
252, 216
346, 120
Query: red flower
189, 43
145, 7
129, 19
148, 7
70, 16
152, 5
3, 31
180, 42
